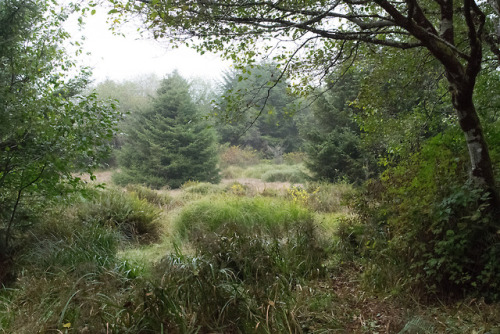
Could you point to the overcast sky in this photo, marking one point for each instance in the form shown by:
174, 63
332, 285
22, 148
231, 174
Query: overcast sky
120, 58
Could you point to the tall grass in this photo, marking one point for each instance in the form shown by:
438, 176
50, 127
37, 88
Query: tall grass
268, 172
136, 219
149, 195
255, 237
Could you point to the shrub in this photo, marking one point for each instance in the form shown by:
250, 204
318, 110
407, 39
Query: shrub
237, 156
438, 227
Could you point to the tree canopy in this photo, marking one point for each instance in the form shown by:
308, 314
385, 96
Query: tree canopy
48, 127
314, 36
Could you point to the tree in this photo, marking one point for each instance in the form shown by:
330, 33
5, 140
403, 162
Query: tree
48, 127
333, 139
322, 33
168, 143
131, 96
249, 114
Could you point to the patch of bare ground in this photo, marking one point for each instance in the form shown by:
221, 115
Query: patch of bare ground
363, 311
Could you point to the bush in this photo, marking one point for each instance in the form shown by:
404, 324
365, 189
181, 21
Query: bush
237, 156
438, 227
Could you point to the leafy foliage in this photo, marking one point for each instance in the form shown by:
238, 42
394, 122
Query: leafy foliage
433, 223
333, 140
257, 110
168, 144
48, 127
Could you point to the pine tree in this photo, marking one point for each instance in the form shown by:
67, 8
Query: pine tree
168, 143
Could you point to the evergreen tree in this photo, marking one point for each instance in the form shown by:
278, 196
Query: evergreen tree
333, 140
257, 110
168, 143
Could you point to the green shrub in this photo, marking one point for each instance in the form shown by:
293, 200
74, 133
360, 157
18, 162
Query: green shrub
438, 229
134, 218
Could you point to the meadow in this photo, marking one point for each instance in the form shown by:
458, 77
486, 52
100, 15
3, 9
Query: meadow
243, 256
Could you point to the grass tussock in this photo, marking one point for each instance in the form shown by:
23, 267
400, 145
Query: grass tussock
201, 188
149, 195
254, 237
134, 218
268, 172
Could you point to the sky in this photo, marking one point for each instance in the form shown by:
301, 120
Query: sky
124, 58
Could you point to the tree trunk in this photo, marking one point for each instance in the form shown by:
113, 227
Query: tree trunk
481, 166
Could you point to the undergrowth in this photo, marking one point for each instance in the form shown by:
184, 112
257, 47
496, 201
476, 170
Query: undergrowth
232, 261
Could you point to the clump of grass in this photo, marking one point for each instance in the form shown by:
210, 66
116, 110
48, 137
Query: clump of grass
253, 236
232, 172
250, 255
268, 172
149, 195
136, 219
256, 171
65, 264
322, 197
291, 174
202, 188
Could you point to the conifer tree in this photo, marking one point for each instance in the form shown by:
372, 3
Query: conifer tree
168, 143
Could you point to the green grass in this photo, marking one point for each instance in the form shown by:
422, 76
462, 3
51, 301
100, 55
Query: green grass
268, 172
217, 259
